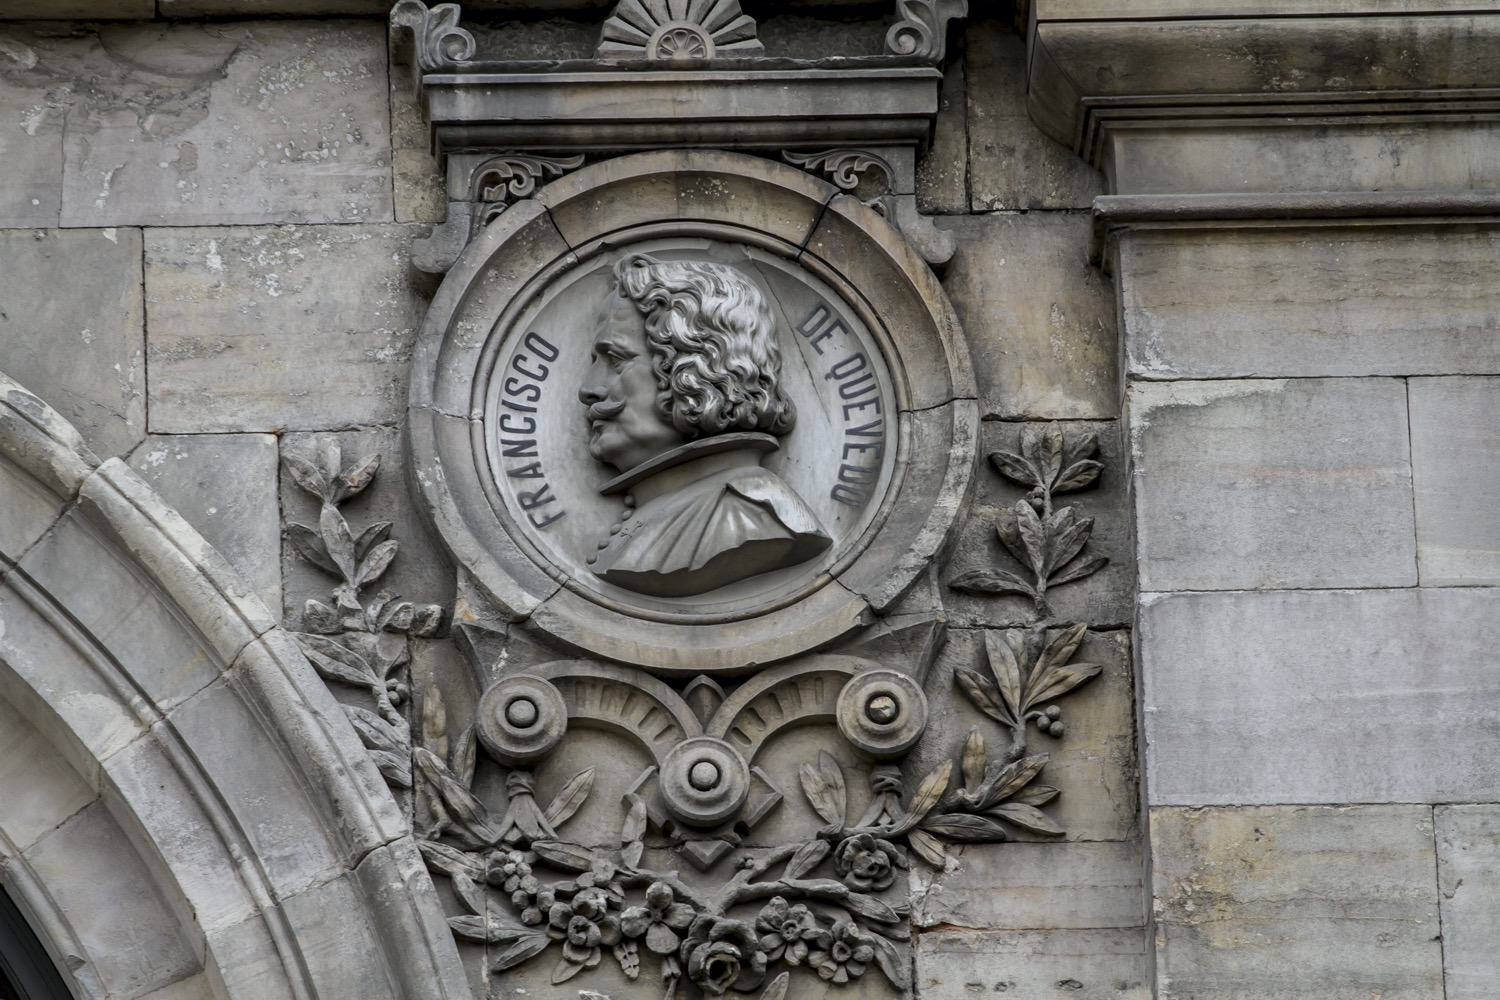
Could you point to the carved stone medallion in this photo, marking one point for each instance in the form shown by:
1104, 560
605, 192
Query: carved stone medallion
692, 411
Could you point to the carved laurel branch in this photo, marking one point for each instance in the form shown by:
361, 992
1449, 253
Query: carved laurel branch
525, 886
432, 38
1048, 543
351, 643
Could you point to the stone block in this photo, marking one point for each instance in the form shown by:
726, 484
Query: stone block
93, 874
420, 573
1034, 965
1093, 763
335, 939
1455, 463
1468, 846
290, 328
1267, 484
38, 787
225, 486
67, 10
1353, 300
272, 804
30, 509
1332, 696
1286, 902
1103, 599
1012, 165
1022, 886
71, 329
182, 124
417, 179
943, 172
1039, 318
120, 611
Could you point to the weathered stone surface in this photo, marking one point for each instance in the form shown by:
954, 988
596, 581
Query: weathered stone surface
1102, 599
1012, 165
943, 171
1022, 886
180, 124
1094, 762
1272, 903
66, 10
1412, 300
30, 509
288, 328
1468, 848
1039, 319
1297, 483
420, 572
225, 485
1035, 965
416, 177
1337, 696
1455, 458
263, 8
71, 327
31, 144
94, 875
38, 787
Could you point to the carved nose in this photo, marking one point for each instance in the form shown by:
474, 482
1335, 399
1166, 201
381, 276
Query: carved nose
590, 394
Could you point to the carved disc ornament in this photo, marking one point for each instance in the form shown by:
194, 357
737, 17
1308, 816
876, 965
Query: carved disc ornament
682, 391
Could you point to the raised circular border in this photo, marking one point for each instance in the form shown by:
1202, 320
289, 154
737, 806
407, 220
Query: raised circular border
721, 195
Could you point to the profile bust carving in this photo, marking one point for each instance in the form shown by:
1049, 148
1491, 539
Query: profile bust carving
683, 399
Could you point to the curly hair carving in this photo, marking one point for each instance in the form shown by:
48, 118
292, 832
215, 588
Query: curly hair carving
712, 339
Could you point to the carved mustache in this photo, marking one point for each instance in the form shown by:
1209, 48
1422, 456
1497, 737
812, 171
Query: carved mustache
606, 409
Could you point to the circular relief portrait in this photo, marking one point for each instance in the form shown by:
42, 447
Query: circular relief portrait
689, 429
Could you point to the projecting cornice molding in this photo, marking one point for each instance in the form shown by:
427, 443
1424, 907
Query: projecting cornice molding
1170, 96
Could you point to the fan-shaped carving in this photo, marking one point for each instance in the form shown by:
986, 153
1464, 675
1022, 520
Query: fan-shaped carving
678, 30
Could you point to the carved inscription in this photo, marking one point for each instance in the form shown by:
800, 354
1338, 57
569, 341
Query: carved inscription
521, 393
863, 445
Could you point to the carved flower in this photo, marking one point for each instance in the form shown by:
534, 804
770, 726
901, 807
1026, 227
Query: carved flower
848, 952
721, 953
583, 925
508, 870
534, 902
786, 931
659, 920
866, 863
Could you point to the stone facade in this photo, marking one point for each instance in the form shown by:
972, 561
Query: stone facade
1156, 666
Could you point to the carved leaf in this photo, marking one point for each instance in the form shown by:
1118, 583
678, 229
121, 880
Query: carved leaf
375, 533
377, 733
965, 828
1033, 537
1077, 476
928, 793
973, 760
871, 908
1035, 795
929, 847
338, 541
1026, 817
777, 989
396, 616
463, 757
825, 797
983, 693
523, 949
394, 767
306, 475
1031, 447
628, 954
1052, 454
471, 821
566, 969
569, 857
449, 859
1006, 670
1066, 538
1014, 468
1008, 530
376, 562
1079, 447
631, 855
992, 581
309, 545
570, 798
320, 618
492, 929
335, 663
426, 620
808, 857
891, 961
330, 457
1012, 778
1078, 570
1050, 678
435, 723
833, 777
635, 819
468, 892
354, 481
1060, 681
